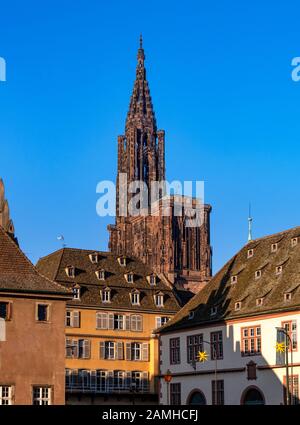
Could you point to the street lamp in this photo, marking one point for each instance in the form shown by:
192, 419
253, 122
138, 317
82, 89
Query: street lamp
168, 379
288, 343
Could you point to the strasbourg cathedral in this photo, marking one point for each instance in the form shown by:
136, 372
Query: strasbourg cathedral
179, 254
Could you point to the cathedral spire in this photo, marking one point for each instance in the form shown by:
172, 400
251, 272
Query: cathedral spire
141, 111
5, 221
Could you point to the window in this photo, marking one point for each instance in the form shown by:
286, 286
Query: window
216, 341
129, 277
100, 274
135, 298
274, 247
278, 269
5, 310
137, 351
105, 295
174, 350
41, 396
161, 321
136, 323
217, 388
84, 349
194, 345
234, 279
294, 242
293, 388
70, 271
213, 310
122, 261
159, 300
72, 319
237, 306
42, 312
250, 253
94, 257
76, 293
118, 321
175, 393
259, 302
287, 296
152, 279
251, 341
5, 395
258, 274
110, 350
291, 328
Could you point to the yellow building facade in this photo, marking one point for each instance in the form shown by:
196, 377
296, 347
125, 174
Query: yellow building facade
112, 353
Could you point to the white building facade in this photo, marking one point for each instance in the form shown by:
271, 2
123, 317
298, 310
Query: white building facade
243, 323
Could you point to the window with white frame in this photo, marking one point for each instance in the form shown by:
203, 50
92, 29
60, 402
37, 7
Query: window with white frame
250, 253
291, 327
136, 322
76, 293
70, 271
122, 261
161, 321
294, 242
287, 296
119, 321
72, 319
6, 392
100, 274
129, 277
41, 396
257, 274
159, 300
237, 305
259, 301
234, 279
105, 295
274, 247
135, 298
94, 257
251, 341
278, 270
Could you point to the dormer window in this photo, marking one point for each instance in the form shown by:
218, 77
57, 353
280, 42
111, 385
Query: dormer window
278, 270
259, 301
152, 279
100, 274
191, 315
76, 293
274, 247
287, 296
105, 295
237, 305
159, 300
129, 277
250, 253
94, 258
234, 279
294, 242
213, 310
122, 261
135, 298
70, 271
258, 274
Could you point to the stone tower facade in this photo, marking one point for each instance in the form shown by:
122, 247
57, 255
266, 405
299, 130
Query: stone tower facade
180, 254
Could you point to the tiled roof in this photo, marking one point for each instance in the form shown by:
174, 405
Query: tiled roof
18, 274
54, 266
220, 292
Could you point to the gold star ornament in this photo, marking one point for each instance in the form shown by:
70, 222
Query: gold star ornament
202, 356
280, 347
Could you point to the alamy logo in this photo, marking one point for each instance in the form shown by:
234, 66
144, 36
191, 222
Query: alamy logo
296, 70
2, 69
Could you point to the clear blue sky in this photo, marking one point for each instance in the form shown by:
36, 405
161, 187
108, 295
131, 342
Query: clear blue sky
220, 79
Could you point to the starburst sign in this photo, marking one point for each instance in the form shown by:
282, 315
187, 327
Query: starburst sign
280, 347
202, 356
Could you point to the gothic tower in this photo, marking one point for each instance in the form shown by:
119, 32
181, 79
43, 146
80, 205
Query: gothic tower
180, 254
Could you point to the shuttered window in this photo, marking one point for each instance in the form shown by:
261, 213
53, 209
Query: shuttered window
84, 349
136, 323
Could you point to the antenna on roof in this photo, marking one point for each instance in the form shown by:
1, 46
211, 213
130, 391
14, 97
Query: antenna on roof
62, 239
250, 220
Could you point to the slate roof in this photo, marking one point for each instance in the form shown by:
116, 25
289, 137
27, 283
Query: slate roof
18, 274
54, 267
220, 292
